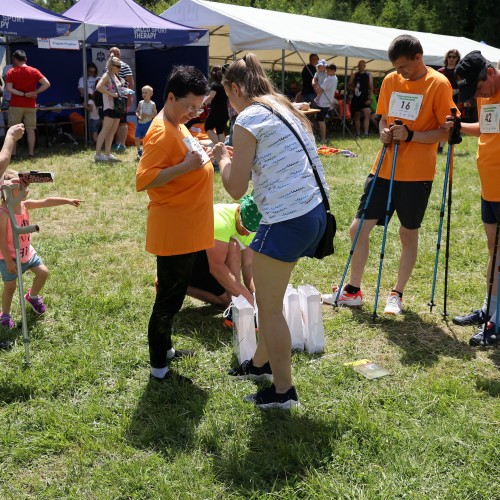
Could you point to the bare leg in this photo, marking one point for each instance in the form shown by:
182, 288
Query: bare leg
121, 134
107, 124
30, 133
41, 274
108, 140
357, 122
361, 250
490, 230
9, 288
271, 279
210, 298
366, 120
322, 131
213, 136
409, 242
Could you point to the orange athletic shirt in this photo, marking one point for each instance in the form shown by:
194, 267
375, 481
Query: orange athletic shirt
415, 161
180, 213
488, 156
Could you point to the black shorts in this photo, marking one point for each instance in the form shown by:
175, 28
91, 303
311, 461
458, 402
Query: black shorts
110, 113
217, 121
201, 277
123, 118
322, 113
359, 103
489, 211
409, 200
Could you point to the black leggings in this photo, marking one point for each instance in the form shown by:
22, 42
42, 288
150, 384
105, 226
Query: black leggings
173, 274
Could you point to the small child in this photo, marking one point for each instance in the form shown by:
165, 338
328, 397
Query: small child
145, 112
94, 118
319, 76
29, 258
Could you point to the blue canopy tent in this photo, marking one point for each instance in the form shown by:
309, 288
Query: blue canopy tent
22, 18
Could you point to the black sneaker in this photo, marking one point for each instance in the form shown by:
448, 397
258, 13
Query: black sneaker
474, 318
485, 336
269, 398
247, 371
169, 378
5, 345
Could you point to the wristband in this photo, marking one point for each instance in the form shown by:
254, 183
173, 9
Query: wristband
410, 134
24, 94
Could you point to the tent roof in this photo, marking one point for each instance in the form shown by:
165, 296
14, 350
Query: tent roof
267, 33
126, 22
23, 18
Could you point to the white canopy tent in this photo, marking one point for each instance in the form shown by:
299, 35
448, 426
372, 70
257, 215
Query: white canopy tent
283, 41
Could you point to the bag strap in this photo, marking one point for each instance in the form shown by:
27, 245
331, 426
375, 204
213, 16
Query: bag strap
301, 142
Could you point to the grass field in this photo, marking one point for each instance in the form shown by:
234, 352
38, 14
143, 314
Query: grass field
84, 422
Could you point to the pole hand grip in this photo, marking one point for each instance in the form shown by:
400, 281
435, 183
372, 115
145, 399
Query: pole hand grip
397, 122
32, 228
454, 136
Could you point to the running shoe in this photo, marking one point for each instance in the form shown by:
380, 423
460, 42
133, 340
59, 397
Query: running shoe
269, 398
247, 371
36, 303
345, 298
394, 304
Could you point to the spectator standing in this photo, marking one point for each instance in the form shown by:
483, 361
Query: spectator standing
326, 97
451, 59
145, 112
24, 83
361, 84
218, 115
127, 78
308, 94
94, 118
6, 93
91, 81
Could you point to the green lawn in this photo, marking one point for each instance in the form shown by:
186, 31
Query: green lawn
83, 421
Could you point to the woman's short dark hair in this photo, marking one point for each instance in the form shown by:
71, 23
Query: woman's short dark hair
184, 80
92, 65
404, 46
216, 73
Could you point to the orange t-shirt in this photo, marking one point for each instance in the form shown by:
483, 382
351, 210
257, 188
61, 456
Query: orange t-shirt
180, 212
415, 161
488, 155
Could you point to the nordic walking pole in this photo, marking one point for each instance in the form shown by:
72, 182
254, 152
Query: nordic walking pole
17, 231
386, 221
453, 138
365, 208
448, 174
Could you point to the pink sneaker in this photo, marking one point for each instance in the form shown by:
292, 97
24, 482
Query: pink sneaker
6, 320
36, 304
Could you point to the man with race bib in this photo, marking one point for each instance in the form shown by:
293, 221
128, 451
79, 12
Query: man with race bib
477, 78
421, 98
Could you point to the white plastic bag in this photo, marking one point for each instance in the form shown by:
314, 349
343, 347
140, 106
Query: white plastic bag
244, 338
312, 320
293, 316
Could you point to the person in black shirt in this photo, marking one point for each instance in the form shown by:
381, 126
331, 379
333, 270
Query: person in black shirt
361, 84
308, 94
218, 116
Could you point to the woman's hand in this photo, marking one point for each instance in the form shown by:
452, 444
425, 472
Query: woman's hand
193, 160
221, 152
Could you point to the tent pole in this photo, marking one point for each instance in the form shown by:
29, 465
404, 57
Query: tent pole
344, 108
283, 71
85, 83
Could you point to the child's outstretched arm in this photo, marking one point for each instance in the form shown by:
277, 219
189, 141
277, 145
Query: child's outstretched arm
52, 202
14, 133
4, 248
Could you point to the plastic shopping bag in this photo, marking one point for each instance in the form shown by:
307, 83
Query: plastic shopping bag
244, 338
312, 320
293, 316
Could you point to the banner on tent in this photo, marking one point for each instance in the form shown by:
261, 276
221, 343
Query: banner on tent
58, 43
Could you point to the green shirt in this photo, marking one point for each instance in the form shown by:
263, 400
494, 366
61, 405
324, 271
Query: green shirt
225, 225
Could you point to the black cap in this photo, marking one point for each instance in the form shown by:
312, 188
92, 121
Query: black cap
467, 74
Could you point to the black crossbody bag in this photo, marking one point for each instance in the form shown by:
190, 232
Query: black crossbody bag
325, 246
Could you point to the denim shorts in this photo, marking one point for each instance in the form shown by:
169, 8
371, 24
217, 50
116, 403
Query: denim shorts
141, 130
292, 239
35, 261
489, 211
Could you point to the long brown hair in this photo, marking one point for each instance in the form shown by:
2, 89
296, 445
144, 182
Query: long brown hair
254, 85
451, 52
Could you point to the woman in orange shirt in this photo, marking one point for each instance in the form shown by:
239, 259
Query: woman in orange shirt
178, 177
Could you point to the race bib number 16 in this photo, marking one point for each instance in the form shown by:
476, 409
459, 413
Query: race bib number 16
403, 105
490, 119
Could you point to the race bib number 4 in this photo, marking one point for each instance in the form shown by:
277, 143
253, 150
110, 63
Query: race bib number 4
403, 105
489, 122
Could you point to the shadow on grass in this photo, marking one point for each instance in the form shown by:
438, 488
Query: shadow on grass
492, 387
204, 324
166, 417
423, 342
292, 444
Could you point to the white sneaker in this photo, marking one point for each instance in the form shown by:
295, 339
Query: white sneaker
112, 157
101, 158
394, 304
345, 299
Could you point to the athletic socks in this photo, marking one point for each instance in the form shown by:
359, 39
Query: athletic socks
170, 353
399, 293
159, 372
352, 289
493, 305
